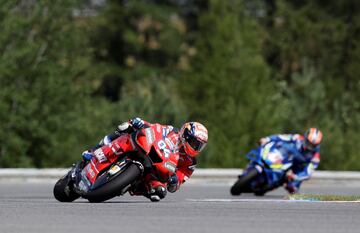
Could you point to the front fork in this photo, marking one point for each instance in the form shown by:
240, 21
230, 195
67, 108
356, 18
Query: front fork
74, 176
259, 182
76, 169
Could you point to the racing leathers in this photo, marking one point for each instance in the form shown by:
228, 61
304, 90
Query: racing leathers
150, 187
305, 160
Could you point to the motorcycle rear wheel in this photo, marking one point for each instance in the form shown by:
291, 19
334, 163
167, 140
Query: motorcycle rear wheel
243, 182
114, 187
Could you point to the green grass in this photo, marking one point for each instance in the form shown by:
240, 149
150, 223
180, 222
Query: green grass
317, 197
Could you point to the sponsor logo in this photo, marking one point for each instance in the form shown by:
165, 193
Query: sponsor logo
82, 186
99, 154
116, 148
158, 128
90, 172
84, 178
285, 137
149, 136
170, 143
114, 169
171, 167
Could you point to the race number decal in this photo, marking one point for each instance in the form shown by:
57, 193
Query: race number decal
162, 146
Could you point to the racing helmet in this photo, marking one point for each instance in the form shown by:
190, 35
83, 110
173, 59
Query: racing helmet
313, 138
194, 137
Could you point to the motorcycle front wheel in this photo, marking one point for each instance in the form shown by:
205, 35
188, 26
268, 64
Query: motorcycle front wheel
63, 191
243, 182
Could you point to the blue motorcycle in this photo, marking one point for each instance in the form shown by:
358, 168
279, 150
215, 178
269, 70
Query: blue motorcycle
266, 171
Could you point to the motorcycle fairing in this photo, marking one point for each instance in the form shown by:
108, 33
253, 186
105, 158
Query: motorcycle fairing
115, 170
274, 158
144, 139
92, 169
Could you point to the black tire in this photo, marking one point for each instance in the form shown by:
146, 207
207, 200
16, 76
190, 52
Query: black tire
243, 182
114, 187
63, 192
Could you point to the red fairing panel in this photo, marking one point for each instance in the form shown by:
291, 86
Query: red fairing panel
107, 154
93, 168
145, 138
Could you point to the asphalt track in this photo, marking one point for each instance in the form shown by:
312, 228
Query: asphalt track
30, 207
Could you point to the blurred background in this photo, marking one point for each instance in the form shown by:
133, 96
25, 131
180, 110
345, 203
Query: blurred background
71, 70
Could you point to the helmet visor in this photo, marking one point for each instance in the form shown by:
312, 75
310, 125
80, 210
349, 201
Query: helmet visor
195, 143
309, 145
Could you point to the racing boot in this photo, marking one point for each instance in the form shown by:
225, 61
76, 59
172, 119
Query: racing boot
157, 193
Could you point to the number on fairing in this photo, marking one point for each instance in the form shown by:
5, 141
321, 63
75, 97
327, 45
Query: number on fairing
162, 146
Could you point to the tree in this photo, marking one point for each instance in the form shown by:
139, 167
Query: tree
44, 83
143, 44
312, 48
228, 87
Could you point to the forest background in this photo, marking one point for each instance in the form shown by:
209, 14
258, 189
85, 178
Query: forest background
71, 70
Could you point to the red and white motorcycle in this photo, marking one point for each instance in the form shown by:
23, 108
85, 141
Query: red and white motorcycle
116, 168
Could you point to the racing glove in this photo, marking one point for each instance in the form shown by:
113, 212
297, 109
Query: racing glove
137, 123
87, 155
129, 127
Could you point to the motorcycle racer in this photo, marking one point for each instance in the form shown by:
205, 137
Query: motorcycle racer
305, 150
187, 142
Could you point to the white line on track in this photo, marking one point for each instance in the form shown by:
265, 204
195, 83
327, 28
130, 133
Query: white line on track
265, 200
